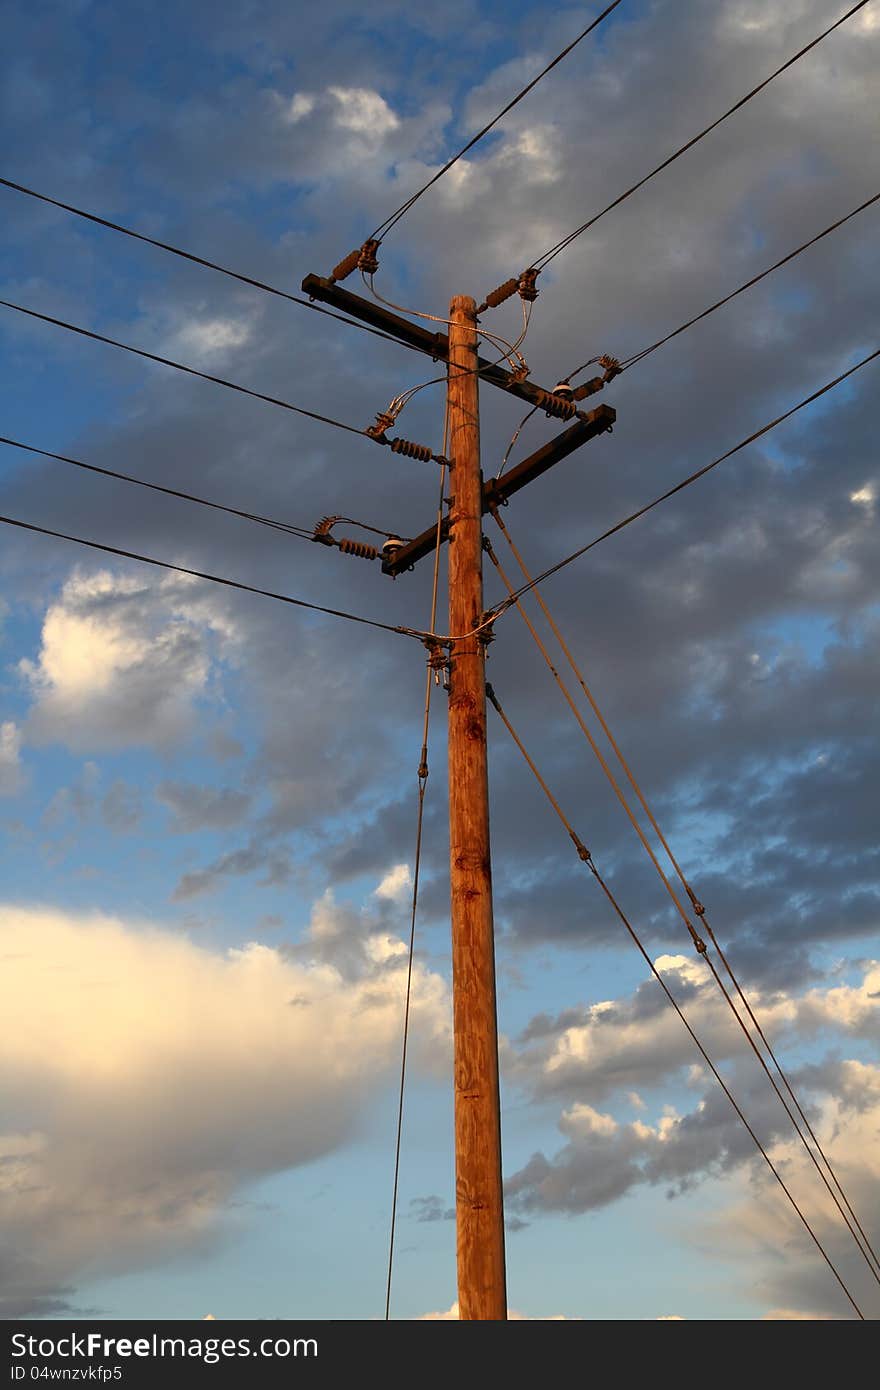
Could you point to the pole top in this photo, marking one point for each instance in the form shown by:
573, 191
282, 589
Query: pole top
463, 304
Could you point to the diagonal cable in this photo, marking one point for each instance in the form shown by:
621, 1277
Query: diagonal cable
587, 858
422, 784
385, 227
554, 251
841, 1202
685, 482
179, 366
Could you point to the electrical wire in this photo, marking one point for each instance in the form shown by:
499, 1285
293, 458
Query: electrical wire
422, 784
685, 482
554, 251
385, 227
587, 858
844, 1207
400, 402
439, 318
301, 532
210, 265
179, 366
213, 578
636, 357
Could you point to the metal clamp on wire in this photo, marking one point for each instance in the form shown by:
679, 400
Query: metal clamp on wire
526, 288
347, 544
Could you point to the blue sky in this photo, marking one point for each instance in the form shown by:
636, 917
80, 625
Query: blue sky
199, 785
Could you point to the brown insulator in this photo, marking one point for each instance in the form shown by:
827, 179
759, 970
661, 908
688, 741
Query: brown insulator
367, 261
558, 406
588, 388
499, 295
527, 288
413, 451
362, 549
344, 269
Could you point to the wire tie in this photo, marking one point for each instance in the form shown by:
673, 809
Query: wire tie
583, 852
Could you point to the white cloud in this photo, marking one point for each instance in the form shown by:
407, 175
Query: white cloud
363, 111
396, 884
451, 1315
122, 662
865, 497
301, 104
147, 1078
204, 340
11, 772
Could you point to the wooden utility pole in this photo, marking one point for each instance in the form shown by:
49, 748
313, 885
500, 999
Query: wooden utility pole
478, 1192
479, 1206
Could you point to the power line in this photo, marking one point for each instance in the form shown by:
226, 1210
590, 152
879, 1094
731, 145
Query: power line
385, 227
554, 251
636, 357
213, 578
422, 776
301, 532
856, 1230
201, 260
179, 366
686, 482
586, 857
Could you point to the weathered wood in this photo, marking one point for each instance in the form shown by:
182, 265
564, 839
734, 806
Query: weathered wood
479, 1205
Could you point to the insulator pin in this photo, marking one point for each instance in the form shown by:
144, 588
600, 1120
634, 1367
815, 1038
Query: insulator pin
367, 260
345, 267
361, 549
526, 287
557, 406
413, 451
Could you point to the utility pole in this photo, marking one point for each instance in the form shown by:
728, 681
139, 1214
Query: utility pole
482, 1290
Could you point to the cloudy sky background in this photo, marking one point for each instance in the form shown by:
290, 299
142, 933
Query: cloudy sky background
208, 800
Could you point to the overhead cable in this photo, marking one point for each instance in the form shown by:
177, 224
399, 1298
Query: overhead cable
385, 227
212, 578
636, 357
841, 1201
685, 482
542, 261
432, 674
586, 857
302, 532
179, 366
201, 260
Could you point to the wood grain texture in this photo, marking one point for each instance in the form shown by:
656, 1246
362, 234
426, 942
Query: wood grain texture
479, 1204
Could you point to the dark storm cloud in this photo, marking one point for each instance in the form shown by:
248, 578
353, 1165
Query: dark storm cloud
603, 1160
669, 616
202, 808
